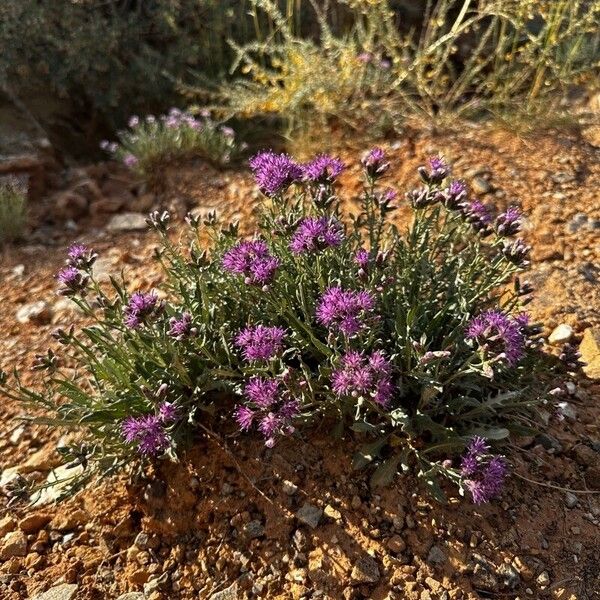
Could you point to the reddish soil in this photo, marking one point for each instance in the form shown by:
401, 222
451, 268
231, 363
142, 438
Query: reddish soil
223, 516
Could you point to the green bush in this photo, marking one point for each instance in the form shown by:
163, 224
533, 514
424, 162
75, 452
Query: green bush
13, 209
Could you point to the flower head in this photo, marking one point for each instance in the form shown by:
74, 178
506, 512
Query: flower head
130, 160
362, 258
168, 412
147, 432
509, 222
316, 234
455, 194
322, 169
476, 213
517, 252
140, 308
274, 173
181, 327
260, 342
499, 335
80, 256
133, 122
483, 474
72, 280
344, 310
263, 392
252, 260
436, 171
368, 375
375, 162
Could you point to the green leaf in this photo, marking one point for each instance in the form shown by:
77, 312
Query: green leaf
385, 472
368, 453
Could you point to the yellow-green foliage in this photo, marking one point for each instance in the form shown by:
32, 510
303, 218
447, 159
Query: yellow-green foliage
502, 56
13, 207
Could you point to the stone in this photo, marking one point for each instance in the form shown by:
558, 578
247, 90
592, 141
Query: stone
509, 576
571, 500
590, 352
13, 544
127, 222
436, 556
561, 334
42, 460
132, 596
254, 529
58, 479
289, 488
481, 185
65, 591
332, 513
567, 410
34, 522
70, 205
69, 521
366, 570
7, 524
309, 515
230, 593
543, 578
106, 206
396, 544
38, 312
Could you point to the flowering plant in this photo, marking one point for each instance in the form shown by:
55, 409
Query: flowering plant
415, 338
151, 142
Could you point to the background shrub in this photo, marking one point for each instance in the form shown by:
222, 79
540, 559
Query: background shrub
13, 209
415, 339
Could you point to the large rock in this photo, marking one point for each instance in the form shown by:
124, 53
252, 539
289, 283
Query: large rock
590, 352
65, 591
366, 570
13, 544
127, 222
36, 312
230, 593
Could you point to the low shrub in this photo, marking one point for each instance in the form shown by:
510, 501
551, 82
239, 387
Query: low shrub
151, 143
414, 338
13, 209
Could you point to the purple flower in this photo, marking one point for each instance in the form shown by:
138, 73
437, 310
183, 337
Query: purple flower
316, 234
181, 327
517, 252
509, 222
148, 432
365, 57
72, 280
436, 171
80, 256
499, 335
274, 173
260, 342
361, 258
344, 309
252, 260
322, 169
477, 214
375, 163
168, 412
140, 308
364, 375
455, 194
134, 121
483, 474
129, 160
272, 407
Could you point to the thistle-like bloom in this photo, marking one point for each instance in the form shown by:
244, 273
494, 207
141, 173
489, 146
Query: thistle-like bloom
80, 256
436, 171
455, 194
252, 260
271, 407
168, 413
483, 474
570, 357
147, 432
360, 375
509, 222
375, 163
322, 169
274, 173
315, 234
517, 252
344, 310
72, 280
130, 160
140, 309
260, 342
181, 327
499, 335
477, 214
421, 198
134, 121
362, 259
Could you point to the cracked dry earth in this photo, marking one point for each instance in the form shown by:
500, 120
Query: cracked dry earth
299, 523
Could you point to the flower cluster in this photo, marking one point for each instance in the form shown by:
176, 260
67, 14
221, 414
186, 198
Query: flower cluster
182, 327
369, 376
375, 163
74, 278
483, 474
274, 173
141, 309
498, 335
322, 169
148, 431
260, 342
270, 406
344, 310
253, 260
316, 234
